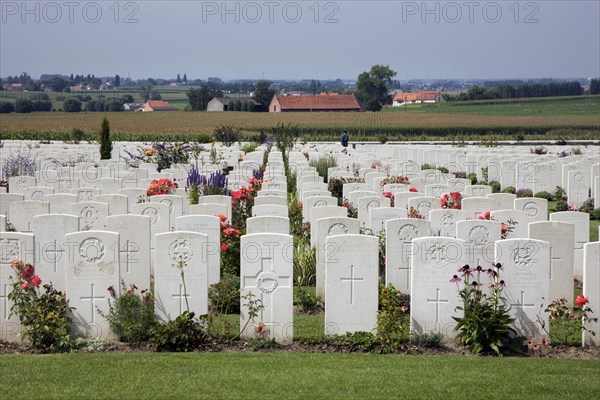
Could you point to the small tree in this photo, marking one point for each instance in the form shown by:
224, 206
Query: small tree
105, 142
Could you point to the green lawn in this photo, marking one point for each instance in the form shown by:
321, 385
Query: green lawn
293, 376
552, 106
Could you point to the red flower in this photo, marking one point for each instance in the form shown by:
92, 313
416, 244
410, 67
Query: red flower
237, 194
414, 190
224, 246
25, 285
485, 215
455, 195
581, 301
222, 217
27, 272
504, 228
36, 281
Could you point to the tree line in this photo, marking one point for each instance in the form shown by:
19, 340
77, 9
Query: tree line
510, 91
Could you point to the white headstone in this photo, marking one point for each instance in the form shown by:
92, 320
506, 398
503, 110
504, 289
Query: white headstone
475, 206
379, 216
60, 203
159, 217
177, 254
213, 209
325, 227
561, 237
367, 203
22, 212
526, 273
515, 220
324, 212
38, 193
435, 260
92, 266
503, 201
443, 221
18, 184
424, 205
581, 221
537, 209
51, 254
591, 290
175, 204
13, 245
399, 234
92, 214
6, 199
268, 224
135, 251
351, 284
270, 210
211, 227
117, 203
267, 274
479, 237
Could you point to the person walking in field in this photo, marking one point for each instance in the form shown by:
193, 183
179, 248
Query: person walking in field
345, 138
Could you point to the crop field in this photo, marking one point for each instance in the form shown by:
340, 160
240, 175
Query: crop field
502, 118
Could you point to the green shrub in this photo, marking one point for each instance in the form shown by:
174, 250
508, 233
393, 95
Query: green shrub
595, 214
544, 195
561, 205
392, 306
560, 193
428, 340
225, 295
510, 189
131, 316
72, 105
460, 174
6, 107
305, 262
323, 164
77, 135
306, 300
587, 206
473, 178
105, 142
226, 134
496, 188
443, 170
185, 333
23, 106
524, 193
249, 147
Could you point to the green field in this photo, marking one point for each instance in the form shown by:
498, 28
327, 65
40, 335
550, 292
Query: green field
293, 376
581, 106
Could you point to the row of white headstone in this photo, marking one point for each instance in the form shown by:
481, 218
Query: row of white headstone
267, 283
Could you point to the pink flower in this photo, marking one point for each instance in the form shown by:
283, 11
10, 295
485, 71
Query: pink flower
25, 285
581, 301
224, 246
27, 272
36, 280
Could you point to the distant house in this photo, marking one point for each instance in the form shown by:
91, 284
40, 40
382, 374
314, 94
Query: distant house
225, 103
316, 103
401, 99
157, 105
133, 106
13, 87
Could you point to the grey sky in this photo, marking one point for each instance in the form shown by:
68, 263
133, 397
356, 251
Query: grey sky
470, 39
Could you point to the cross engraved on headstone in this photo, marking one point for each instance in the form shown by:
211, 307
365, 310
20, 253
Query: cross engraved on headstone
129, 250
92, 299
437, 302
183, 297
56, 252
579, 245
552, 259
4, 298
522, 304
352, 279
266, 281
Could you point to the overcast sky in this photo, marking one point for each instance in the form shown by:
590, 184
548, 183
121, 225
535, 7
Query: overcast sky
302, 39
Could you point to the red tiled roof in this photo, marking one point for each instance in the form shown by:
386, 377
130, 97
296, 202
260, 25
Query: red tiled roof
158, 104
319, 102
415, 96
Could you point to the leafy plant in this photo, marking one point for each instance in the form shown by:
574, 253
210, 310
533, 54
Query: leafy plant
495, 186
230, 248
131, 315
509, 189
473, 178
323, 164
225, 295
393, 307
560, 193
305, 262
306, 300
568, 323
18, 163
486, 324
561, 205
524, 193
185, 333
226, 134
44, 315
544, 195
336, 186
428, 340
